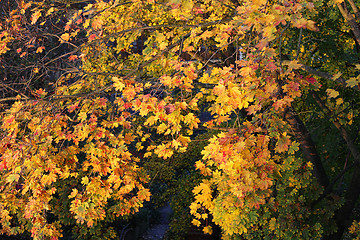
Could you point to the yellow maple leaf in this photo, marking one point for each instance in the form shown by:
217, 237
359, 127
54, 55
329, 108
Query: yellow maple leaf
13, 178
35, 16
339, 101
144, 194
147, 85
118, 84
82, 116
207, 230
200, 165
311, 26
85, 180
48, 179
74, 192
219, 89
196, 222
175, 144
272, 224
337, 75
129, 92
184, 140
292, 64
332, 93
246, 71
269, 32
300, 23
128, 138
97, 23
163, 45
162, 128
51, 10
352, 82
166, 80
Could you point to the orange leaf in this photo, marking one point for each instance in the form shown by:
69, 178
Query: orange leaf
65, 37
206, 34
73, 57
92, 37
40, 49
283, 143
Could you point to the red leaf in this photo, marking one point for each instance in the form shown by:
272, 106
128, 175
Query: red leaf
3, 165
92, 37
73, 57
311, 80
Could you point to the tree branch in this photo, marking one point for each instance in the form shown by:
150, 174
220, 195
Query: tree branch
325, 75
329, 188
343, 215
355, 9
349, 142
351, 20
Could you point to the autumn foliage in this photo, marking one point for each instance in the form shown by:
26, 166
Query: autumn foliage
92, 90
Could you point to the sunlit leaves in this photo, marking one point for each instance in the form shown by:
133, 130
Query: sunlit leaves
140, 78
237, 179
60, 164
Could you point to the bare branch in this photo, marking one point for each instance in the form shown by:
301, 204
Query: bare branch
351, 20
355, 9
325, 75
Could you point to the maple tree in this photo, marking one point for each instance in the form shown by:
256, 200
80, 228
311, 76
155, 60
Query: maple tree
90, 94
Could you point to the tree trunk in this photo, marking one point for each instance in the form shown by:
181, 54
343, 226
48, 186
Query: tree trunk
307, 146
